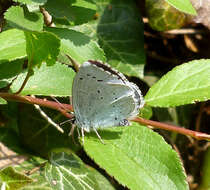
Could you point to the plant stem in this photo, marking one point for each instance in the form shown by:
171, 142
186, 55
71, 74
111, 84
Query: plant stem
42, 102
64, 107
24, 82
177, 129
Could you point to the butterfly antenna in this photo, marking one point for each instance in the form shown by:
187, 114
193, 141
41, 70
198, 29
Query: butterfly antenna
72, 121
59, 103
98, 136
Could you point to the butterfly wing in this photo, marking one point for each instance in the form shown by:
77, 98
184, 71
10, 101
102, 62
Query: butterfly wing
102, 98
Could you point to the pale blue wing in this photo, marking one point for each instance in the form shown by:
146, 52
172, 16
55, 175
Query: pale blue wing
102, 99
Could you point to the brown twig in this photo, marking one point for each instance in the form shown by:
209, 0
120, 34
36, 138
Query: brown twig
64, 107
37, 168
185, 31
38, 101
74, 63
47, 17
177, 129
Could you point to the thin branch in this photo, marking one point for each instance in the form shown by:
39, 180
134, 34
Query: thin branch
185, 31
24, 82
177, 129
38, 101
64, 107
74, 63
47, 17
49, 120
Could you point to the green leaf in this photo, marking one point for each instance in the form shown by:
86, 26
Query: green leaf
138, 158
183, 5
162, 16
10, 138
32, 5
34, 166
78, 45
67, 171
11, 49
30, 2
42, 47
21, 18
185, 84
8, 72
55, 80
76, 12
2, 101
9, 130
205, 183
41, 137
146, 112
119, 31
12, 179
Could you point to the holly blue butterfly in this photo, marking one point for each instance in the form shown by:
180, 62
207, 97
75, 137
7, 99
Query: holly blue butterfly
102, 97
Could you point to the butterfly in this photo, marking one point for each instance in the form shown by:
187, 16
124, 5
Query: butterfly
102, 97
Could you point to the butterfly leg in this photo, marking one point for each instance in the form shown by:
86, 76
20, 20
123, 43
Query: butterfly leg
98, 135
72, 130
78, 132
71, 133
83, 136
